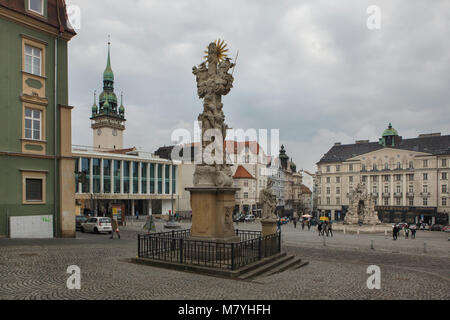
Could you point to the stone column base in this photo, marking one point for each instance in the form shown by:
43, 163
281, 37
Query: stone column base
212, 214
269, 227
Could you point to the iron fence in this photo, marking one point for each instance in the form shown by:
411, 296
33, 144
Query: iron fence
175, 246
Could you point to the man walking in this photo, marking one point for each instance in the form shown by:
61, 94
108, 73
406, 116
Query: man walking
115, 227
330, 228
395, 232
413, 231
319, 228
303, 224
295, 222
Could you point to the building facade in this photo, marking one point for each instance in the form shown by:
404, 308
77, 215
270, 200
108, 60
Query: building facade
408, 178
36, 164
113, 180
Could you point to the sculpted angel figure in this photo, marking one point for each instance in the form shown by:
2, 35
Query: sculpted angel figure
269, 201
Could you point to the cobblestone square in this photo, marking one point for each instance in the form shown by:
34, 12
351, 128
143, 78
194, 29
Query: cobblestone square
36, 269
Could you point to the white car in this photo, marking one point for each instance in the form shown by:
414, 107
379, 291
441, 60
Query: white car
97, 225
250, 218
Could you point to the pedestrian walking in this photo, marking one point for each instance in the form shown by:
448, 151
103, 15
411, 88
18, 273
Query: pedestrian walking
406, 232
395, 232
303, 224
413, 231
309, 225
330, 228
278, 224
115, 227
319, 228
295, 223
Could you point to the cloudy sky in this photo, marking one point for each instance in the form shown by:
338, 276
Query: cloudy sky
309, 68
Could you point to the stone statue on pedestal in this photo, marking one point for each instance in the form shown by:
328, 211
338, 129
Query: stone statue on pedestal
361, 208
213, 195
269, 201
213, 82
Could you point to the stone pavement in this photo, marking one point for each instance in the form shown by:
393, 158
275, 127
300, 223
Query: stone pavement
36, 269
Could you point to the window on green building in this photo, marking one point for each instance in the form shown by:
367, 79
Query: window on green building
33, 189
33, 60
36, 6
33, 119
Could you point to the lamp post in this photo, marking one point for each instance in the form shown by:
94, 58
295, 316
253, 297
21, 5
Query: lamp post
171, 224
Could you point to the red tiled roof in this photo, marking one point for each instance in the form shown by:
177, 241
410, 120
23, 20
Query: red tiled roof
305, 189
235, 147
56, 13
242, 173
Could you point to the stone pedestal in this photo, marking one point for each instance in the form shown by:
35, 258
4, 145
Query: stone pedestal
269, 227
212, 214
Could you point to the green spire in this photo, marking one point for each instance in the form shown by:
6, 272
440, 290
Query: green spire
94, 106
121, 108
106, 106
108, 75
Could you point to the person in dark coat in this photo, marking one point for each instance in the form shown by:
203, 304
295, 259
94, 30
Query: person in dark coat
395, 232
319, 228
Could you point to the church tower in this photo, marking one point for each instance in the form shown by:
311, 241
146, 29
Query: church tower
108, 120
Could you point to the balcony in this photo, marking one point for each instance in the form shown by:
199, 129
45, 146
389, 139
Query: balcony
375, 194
410, 194
398, 194
425, 194
386, 195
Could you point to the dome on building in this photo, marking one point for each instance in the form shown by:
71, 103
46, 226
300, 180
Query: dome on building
390, 131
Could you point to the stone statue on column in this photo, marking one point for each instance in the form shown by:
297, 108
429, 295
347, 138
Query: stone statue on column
213, 82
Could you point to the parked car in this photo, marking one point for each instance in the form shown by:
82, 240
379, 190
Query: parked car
250, 218
436, 227
446, 229
79, 220
97, 225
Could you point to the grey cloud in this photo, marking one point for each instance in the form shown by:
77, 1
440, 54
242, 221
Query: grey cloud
310, 68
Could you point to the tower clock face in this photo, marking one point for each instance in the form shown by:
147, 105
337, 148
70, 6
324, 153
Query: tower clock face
99, 132
114, 132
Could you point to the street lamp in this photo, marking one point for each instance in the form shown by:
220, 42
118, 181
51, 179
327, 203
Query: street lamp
171, 224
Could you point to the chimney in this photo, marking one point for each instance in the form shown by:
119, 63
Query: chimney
337, 144
362, 141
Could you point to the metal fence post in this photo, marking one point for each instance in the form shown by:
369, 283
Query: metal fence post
139, 245
279, 242
181, 250
260, 248
232, 256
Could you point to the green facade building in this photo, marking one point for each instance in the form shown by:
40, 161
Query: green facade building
36, 164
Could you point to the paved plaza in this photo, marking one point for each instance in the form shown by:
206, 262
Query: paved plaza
36, 269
